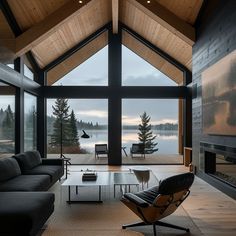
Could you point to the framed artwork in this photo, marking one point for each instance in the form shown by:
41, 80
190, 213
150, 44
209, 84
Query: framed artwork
219, 97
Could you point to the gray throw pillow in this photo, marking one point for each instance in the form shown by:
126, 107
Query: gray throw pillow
9, 168
28, 160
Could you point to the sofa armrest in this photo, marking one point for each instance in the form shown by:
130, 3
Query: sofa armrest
136, 200
53, 161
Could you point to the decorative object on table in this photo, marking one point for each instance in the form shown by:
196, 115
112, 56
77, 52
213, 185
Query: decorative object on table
142, 174
89, 175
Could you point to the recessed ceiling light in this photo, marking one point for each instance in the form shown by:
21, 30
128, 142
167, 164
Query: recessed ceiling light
80, 1
148, 1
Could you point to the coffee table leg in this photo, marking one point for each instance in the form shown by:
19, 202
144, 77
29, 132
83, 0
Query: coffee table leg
100, 193
69, 195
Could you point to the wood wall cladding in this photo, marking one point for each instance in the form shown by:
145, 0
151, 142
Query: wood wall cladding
184, 9
216, 39
77, 58
156, 34
151, 57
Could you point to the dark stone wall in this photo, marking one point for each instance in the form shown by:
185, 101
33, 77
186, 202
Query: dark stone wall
216, 38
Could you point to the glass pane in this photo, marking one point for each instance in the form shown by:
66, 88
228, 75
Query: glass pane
11, 66
94, 71
153, 123
67, 120
138, 72
30, 123
7, 120
28, 73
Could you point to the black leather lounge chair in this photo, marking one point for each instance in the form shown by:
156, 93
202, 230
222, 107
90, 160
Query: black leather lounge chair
157, 202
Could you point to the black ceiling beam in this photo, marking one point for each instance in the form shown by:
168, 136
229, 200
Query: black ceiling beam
12, 78
146, 92
76, 47
76, 92
154, 92
16, 30
154, 48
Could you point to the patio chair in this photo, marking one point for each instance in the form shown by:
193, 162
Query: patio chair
101, 149
156, 203
137, 148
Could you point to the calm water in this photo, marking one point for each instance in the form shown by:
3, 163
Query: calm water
167, 140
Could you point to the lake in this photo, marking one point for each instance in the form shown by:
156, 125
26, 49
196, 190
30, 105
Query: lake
167, 140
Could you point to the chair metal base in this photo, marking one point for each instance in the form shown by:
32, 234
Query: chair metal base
160, 223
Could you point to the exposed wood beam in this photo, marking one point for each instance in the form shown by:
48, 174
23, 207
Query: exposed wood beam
167, 19
115, 16
42, 30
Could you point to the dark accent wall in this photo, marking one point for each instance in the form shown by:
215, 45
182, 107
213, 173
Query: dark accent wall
216, 38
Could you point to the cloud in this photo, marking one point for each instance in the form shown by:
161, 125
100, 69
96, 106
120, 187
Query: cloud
129, 120
150, 79
163, 121
93, 113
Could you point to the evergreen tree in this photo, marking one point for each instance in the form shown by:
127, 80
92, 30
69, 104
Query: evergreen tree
73, 129
61, 126
145, 134
8, 124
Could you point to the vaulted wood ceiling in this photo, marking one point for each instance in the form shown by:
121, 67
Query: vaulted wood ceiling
52, 27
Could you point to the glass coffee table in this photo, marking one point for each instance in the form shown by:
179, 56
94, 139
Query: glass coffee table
123, 179
75, 179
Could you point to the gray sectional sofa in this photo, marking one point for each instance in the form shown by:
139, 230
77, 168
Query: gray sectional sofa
24, 204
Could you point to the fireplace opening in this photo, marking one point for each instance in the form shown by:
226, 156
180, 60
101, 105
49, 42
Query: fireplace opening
222, 167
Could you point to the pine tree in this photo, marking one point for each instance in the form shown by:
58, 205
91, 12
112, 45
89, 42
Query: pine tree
73, 129
61, 126
8, 124
145, 134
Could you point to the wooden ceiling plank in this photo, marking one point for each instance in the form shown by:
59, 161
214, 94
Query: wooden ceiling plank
167, 19
42, 30
115, 16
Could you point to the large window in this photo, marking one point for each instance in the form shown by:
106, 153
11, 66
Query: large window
7, 120
30, 124
137, 72
68, 119
93, 71
159, 123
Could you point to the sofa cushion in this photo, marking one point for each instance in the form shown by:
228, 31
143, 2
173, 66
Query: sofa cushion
24, 213
28, 160
55, 172
26, 183
9, 168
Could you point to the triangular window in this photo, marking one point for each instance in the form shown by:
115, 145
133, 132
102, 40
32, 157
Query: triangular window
138, 72
92, 72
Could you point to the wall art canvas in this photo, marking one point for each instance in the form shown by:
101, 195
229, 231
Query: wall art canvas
219, 97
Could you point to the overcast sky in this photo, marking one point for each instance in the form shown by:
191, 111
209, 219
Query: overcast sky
135, 71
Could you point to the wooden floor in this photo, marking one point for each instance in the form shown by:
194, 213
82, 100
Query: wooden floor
209, 211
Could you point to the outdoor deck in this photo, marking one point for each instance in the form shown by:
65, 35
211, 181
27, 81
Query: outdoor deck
89, 159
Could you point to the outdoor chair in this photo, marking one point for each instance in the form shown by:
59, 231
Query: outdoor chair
156, 203
137, 148
101, 149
